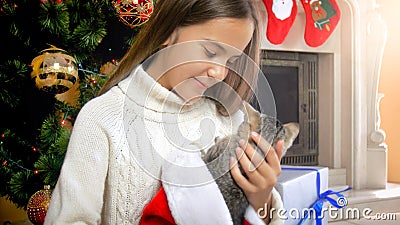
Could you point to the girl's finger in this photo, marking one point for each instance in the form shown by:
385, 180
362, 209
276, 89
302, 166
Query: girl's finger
255, 157
238, 176
272, 157
247, 166
273, 160
263, 144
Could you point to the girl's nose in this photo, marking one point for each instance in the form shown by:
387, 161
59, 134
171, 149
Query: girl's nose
217, 71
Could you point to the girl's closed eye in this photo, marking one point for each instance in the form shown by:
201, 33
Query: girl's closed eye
209, 52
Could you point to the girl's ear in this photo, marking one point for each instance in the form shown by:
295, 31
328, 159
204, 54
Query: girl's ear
171, 39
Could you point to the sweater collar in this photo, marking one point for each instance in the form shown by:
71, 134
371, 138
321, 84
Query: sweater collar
142, 89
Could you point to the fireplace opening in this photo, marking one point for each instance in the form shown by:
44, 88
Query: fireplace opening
292, 77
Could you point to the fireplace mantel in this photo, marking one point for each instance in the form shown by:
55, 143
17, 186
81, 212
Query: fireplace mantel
349, 71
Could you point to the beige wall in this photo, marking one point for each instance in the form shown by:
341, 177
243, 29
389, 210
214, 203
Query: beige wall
390, 86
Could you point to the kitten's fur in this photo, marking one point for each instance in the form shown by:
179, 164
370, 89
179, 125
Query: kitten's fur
217, 157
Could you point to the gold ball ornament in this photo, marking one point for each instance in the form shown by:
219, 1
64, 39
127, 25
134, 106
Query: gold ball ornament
54, 71
134, 12
38, 205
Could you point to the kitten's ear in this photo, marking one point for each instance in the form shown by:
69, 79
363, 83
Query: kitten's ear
253, 117
291, 132
292, 128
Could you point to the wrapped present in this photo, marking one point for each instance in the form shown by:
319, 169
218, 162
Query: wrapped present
305, 195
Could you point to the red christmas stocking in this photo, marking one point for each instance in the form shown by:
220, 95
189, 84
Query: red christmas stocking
322, 16
281, 15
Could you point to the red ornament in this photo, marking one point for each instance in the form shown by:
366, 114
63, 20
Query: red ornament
2, 135
38, 205
34, 149
134, 12
5, 163
62, 123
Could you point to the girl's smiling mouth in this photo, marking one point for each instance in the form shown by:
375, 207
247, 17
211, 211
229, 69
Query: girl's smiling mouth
200, 84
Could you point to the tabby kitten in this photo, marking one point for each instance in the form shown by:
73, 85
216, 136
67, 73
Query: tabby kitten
217, 157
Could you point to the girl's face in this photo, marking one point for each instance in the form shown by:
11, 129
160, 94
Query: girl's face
196, 56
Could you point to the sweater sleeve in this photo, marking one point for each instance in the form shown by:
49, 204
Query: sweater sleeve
78, 195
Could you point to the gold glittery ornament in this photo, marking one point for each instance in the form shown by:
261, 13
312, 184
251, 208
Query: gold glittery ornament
54, 71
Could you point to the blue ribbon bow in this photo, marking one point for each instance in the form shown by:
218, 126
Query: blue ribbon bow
317, 206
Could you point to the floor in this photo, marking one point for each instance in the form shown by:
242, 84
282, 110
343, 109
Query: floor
383, 206
395, 221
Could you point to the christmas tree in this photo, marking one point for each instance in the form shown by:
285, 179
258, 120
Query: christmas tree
36, 121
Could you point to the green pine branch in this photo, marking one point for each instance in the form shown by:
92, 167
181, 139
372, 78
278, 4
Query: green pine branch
49, 166
22, 186
89, 34
12, 79
50, 131
16, 172
54, 19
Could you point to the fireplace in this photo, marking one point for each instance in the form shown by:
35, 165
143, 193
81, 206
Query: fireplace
293, 78
348, 131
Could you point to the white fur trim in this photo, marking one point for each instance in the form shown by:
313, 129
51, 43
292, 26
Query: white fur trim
197, 205
277, 204
282, 11
190, 202
252, 217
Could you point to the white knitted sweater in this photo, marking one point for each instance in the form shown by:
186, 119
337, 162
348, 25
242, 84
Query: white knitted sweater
120, 139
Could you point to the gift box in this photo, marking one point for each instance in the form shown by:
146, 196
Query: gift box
298, 186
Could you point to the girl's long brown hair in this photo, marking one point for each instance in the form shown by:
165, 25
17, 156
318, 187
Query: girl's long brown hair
171, 14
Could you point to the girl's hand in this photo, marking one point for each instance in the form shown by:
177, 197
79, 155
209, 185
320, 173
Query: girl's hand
261, 174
